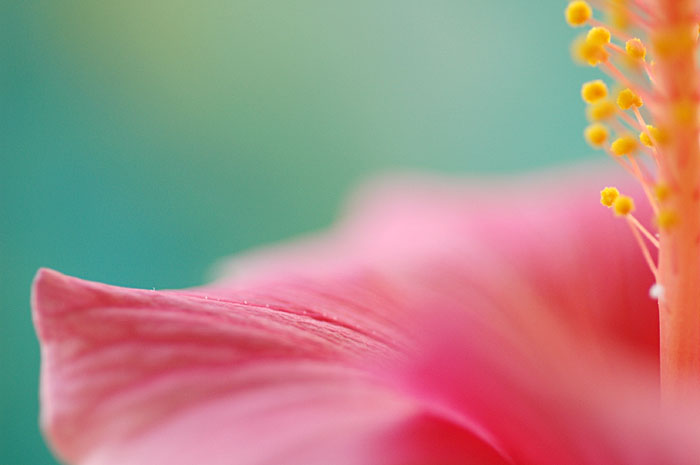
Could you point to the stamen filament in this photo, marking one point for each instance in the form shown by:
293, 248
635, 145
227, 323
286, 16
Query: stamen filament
628, 119
615, 48
645, 250
614, 72
649, 73
654, 241
642, 171
621, 161
640, 119
645, 184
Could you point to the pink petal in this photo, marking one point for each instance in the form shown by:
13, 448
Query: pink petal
146, 377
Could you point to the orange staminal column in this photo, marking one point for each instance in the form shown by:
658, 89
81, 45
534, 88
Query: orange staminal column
673, 37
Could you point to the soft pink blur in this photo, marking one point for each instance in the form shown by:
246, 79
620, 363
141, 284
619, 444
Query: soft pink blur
443, 321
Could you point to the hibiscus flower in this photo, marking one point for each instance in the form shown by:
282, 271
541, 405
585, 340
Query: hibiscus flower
442, 321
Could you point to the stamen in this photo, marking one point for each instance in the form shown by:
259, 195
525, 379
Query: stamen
596, 134
625, 145
635, 49
630, 122
622, 162
608, 196
648, 71
602, 110
645, 250
612, 70
616, 48
593, 91
652, 136
643, 174
646, 136
616, 32
598, 36
627, 99
646, 67
623, 205
654, 241
592, 52
577, 13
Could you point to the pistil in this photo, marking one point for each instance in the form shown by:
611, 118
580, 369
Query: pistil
671, 28
674, 47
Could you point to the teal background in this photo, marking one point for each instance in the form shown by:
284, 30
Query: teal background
143, 141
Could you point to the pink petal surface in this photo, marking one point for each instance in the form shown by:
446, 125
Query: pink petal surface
142, 377
323, 351
544, 234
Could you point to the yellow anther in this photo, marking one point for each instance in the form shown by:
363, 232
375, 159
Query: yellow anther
662, 192
590, 52
635, 49
625, 145
657, 135
623, 205
593, 91
596, 134
666, 219
608, 196
577, 13
602, 110
626, 98
598, 36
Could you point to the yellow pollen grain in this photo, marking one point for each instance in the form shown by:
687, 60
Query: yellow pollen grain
627, 98
598, 36
635, 49
625, 145
602, 110
656, 134
608, 196
623, 205
666, 219
577, 13
596, 134
593, 91
662, 192
589, 52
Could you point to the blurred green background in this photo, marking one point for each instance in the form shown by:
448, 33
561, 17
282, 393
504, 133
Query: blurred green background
142, 141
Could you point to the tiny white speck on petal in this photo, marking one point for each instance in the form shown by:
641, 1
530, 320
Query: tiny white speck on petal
656, 291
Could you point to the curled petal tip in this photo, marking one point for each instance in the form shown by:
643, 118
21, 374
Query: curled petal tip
52, 294
55, 294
